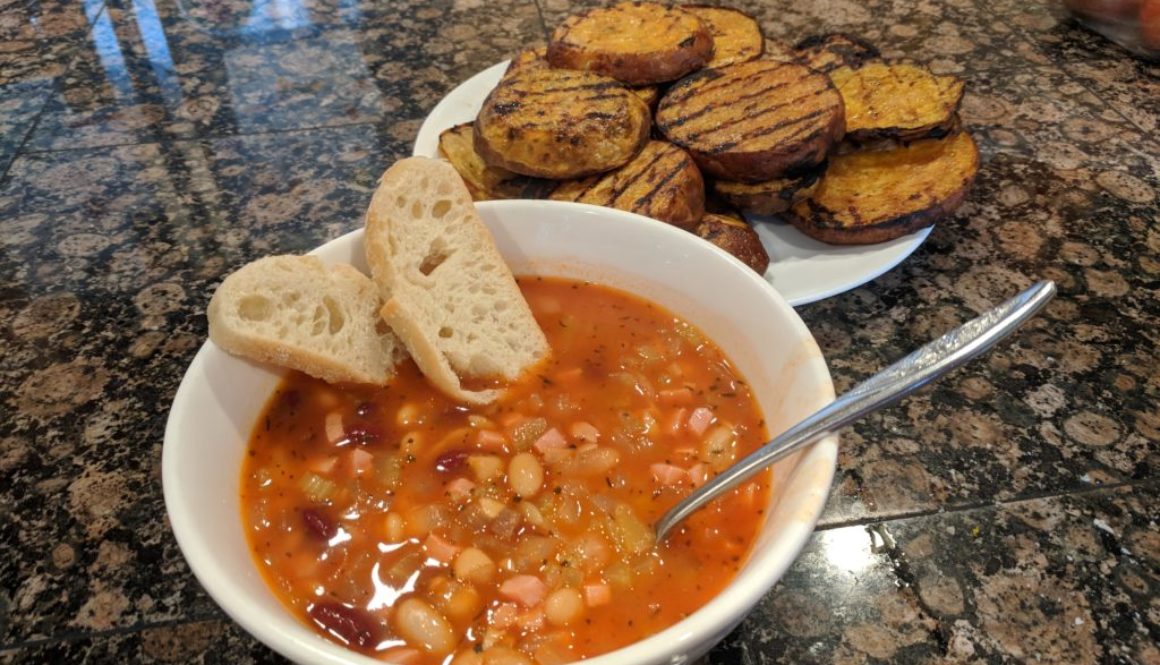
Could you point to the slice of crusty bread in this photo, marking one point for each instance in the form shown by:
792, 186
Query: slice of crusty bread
449, 294
294, 311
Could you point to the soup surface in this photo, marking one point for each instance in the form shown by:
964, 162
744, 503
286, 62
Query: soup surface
405, 525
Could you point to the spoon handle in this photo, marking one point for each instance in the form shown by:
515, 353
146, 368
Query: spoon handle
902, 378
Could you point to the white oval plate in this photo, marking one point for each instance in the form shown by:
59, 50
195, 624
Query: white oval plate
802, 269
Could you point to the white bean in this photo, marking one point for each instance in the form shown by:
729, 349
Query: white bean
525, 475
423, 627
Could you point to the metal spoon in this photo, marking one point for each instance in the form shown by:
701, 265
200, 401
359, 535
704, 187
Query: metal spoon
902, 378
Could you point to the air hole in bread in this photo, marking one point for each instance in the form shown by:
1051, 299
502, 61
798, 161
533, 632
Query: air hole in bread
318, 322
255, 308
501, 305
446, 332
381, 327
401, 201
337, 320
417, 209
436, 255
441, 208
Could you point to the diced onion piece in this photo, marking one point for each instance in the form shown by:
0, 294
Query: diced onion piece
323, 465
591, 462
480, 422
563, 606
675, 424
390, 470
423, 627
490, 507
700, 419
532, 515
528, 590
596, 595
393, 525
317, 489
619, 575
719, 448
485, 467
584, 431
334, 429
549, 440
474, 565
553, 653
525, 432
439, 549
668, 474
634, 535
504, 615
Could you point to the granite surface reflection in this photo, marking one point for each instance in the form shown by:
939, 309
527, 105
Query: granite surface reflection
147, 147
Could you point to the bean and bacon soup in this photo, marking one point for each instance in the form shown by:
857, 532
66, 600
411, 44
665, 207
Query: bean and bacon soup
407, 526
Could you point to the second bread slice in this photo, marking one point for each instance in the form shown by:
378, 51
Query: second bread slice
449, 294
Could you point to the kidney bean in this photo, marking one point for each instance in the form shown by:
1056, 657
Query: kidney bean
351, 625
363, 435
452, 461
320, 526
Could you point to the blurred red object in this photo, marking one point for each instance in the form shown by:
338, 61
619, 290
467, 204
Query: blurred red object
1133, 24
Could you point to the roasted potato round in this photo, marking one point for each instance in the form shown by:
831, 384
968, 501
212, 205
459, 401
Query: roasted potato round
897, 101
737, 36
825, 53
770, 197
734, 235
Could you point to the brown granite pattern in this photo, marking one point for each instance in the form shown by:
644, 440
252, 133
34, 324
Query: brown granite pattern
1006, 514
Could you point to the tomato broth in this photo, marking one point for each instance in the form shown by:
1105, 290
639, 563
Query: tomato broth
405, 525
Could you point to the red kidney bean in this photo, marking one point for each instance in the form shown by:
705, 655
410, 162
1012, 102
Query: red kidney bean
351, 625
452, 461
320, 526
363, 435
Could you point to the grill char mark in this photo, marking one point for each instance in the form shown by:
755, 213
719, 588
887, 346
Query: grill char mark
704, 136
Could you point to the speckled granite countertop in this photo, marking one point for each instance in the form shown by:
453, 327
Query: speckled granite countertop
1007, 515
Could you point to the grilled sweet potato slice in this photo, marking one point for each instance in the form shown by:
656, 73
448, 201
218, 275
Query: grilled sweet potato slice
639, 43
734, 235
538, 57
483, 181
661, 182
825, 53
770, 197
560, 124
535, 57
753, 121
869, 197
737, 36
897, 101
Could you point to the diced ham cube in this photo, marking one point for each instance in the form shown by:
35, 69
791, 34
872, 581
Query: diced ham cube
460, 489
549, 440
528, 590
667, 474
597, 594
584, 431
676, 397
361, 461
439, 549
491, 440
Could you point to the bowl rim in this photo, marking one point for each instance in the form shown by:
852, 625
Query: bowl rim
708, 624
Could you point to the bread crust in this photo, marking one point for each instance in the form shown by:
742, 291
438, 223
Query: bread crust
560, 124
753, 121
638, 43
448, 293
872, 197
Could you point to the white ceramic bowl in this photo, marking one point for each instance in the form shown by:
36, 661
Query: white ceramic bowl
220, 397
